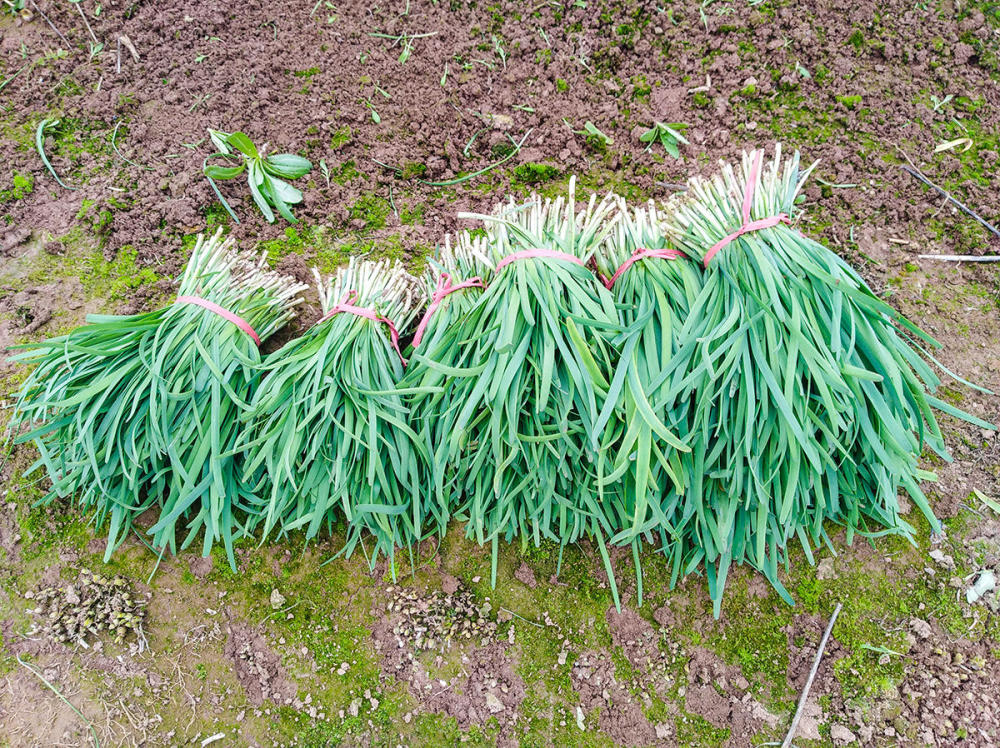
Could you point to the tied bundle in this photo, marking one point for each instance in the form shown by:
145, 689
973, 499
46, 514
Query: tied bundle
655, 288
524, 376
454, 280
329, 426
810, 397
135, 412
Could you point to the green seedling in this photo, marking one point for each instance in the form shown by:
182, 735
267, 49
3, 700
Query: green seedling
406, 40
595, 137
266, 175
44, 128
667, 135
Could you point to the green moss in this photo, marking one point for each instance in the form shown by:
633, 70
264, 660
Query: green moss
857, 40
293, 243
345, 172
22, 186
372, 209
99, 221
413, 170
851, 102
951, 394
702, 100
118, 278
693, 730
340, 137
410, 215
562, 85
535, 173
307, 74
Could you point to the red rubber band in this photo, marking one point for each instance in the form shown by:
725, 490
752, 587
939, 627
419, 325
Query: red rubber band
345, 305
444, 287
224, 313
529, 253
641, 254
748, 225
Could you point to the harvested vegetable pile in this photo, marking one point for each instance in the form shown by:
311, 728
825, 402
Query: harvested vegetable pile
655, 288
329, 426
720, 387
809, 395
526, 373
135, 412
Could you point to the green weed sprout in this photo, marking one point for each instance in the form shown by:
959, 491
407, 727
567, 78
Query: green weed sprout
266, 175
666, 135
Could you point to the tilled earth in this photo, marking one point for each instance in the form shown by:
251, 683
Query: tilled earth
391, 99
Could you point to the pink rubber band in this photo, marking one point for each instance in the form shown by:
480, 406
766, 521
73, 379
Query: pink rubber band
444, 287
641, 254
345, 305
224, 313
529, 253
748, 225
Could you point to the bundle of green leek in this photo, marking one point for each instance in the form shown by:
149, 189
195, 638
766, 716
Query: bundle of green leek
144, 411
655, 288
329, 425
521, 379
809, 396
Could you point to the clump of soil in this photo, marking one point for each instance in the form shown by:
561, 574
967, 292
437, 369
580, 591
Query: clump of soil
719, 693
200, 566
526, 576
436, 621
257, 666
92, 605
620, 718
488, 687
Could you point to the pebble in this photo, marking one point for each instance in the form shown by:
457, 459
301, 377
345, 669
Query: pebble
277, 599
840, 735
493, 703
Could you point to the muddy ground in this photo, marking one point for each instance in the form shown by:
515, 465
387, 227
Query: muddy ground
288, 652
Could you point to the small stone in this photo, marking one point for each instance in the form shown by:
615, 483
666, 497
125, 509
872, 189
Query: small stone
921, 628
277, 599
942, 559
493, 703
662, 731
562, 657
840, 735
579, 719
502, 121
825, 569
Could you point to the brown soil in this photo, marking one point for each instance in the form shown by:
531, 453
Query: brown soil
257, 666
296, 78
487, 688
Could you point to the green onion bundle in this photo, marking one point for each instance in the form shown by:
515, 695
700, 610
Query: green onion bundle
809, 394
143, 411
655, 288
329, 426
454, 280
525, 374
